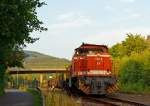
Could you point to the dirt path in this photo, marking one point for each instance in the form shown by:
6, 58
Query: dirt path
16, 98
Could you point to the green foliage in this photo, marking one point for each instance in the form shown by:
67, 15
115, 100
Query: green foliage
133, 88
2, 73
135, 72
132, 44
37, 97
134, 56
146, 63
116, 50
131, 70
18, 18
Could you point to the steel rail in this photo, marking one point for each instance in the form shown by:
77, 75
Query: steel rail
135, 103
114, 101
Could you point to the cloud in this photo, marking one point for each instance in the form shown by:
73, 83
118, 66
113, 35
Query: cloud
135, 15
128, 1
128, 10
115, 35
69, 21
108, 7
73, 20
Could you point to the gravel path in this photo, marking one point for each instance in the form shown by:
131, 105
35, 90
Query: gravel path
16, 98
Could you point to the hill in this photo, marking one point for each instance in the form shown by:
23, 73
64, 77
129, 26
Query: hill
37, 60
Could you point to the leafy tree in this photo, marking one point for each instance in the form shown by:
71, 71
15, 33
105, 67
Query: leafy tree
18, 18
132, 44
134, 69
116, 50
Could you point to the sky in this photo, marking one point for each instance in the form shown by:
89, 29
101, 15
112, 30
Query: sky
72, 22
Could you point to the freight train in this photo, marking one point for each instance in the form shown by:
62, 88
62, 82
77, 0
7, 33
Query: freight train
91, 69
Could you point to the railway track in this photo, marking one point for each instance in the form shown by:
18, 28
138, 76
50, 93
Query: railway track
108, 101
134, 103
105, 100
101, 100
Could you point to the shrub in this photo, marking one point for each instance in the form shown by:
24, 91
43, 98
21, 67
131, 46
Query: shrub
135, 72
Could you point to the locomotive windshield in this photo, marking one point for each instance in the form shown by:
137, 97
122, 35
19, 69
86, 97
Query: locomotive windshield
90, 49
87, 51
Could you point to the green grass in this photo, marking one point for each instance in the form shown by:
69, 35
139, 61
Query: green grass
37, 96
38, 60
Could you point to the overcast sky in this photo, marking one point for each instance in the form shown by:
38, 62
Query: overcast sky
71, 22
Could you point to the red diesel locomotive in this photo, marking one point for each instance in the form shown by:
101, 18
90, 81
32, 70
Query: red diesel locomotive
91, 69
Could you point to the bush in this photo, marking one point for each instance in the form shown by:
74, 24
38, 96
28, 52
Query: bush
135, 72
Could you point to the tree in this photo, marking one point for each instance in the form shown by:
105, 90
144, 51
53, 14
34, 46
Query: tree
134, 69
132, 44
116, 50
18, 18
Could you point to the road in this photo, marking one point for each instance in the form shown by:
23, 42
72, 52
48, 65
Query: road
16, 98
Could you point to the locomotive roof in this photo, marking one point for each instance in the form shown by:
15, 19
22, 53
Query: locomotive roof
91, 46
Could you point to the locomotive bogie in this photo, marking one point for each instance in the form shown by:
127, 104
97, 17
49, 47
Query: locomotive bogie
93, 85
